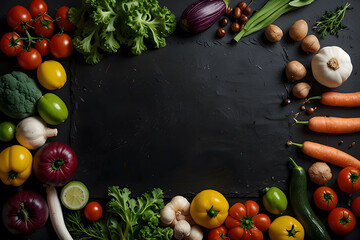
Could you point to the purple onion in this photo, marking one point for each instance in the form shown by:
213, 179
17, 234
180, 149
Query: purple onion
201, 15
25, 212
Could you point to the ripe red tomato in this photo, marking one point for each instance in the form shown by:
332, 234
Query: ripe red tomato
218, 233
348, 180
29, 60
325, 198
341, 220
18, 18
355, 206
37, 8
61, 45
262, 221
63, 20
44, 26
43, 47
10, 44
93, 211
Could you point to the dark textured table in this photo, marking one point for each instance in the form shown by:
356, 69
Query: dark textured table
200, 113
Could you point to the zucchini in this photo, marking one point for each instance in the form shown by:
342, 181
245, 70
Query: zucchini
314, 228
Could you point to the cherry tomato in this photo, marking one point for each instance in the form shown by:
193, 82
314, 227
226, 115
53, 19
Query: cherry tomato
18, 18
44, 26
218, 233
341, 220
61, 45
325, 198
29, 60
43, 46
93, 211
10, 44
62, 19
348, 179
355, 206
37, 8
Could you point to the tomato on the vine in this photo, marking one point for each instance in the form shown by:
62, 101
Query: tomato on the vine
18, 18
10, 44
43, 46
62, 19
218, 233
325, 198
44, 26
38, 8
355, 206
341, 220
349, 180
29, 60
61, 45
93, 211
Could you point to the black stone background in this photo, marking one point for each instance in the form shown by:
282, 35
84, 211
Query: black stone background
200, 113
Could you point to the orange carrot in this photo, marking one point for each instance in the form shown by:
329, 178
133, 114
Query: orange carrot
332, 124
327, 154
339, 99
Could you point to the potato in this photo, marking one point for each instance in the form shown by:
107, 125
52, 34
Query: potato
310, 44
319, 173
298, 30
273, 33
295, 71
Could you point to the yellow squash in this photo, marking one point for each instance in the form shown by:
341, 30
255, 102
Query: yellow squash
209, 209
15, 165
286, 228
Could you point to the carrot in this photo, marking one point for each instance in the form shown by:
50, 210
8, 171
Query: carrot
327, 154
332, 124
339, 99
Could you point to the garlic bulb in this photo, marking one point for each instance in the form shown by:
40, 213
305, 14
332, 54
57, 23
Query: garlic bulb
32, 132
331, 66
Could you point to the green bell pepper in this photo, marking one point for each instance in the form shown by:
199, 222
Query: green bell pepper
52, 109
274, 200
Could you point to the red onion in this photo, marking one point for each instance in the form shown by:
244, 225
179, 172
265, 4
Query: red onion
201, 15
25, 212
55, 163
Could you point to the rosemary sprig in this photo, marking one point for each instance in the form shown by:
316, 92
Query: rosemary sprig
331, 22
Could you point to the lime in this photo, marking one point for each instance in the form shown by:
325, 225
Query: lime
74, 195
7, 131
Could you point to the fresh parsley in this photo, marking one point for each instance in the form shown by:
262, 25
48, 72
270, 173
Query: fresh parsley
331, 22
125, 219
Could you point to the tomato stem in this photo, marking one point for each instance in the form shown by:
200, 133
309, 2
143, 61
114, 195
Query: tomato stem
292, 232
57, 163
345, 219
246, 222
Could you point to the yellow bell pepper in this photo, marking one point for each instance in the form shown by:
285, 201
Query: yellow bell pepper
209, 209
15, 165
286, 228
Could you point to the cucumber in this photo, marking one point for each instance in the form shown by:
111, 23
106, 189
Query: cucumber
314, 228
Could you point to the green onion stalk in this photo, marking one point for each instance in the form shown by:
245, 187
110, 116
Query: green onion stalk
271, 11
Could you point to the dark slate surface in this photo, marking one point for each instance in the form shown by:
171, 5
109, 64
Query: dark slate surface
200, 113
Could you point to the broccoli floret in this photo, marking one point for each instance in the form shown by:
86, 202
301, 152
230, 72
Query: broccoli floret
19, 95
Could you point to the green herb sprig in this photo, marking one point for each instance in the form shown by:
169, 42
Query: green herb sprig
331, 22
